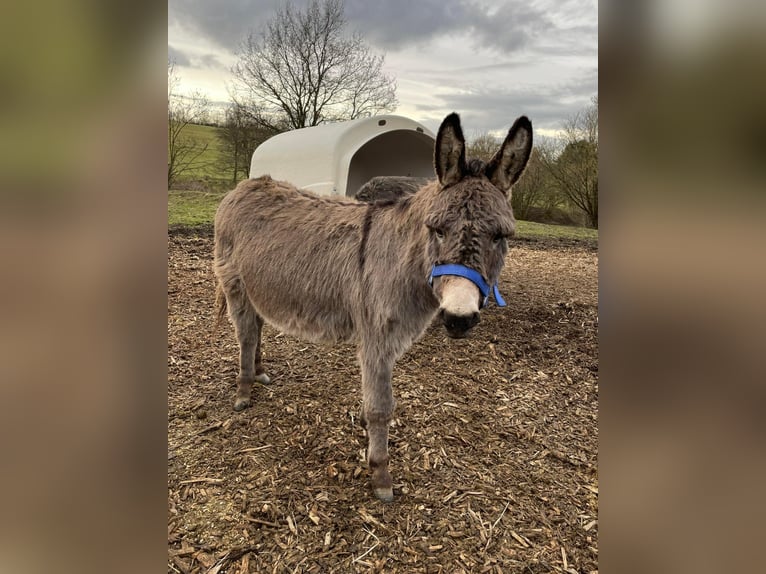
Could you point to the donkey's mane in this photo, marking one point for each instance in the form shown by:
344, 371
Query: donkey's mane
476, 167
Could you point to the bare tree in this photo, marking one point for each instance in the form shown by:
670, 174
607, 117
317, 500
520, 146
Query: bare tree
240, 134
184, 151
483, 146
304, 69
533, 189
575, 169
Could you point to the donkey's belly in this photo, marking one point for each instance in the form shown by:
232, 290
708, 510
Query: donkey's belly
337, 332
305, 321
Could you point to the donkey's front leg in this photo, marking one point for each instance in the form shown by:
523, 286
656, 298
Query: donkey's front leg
377, 409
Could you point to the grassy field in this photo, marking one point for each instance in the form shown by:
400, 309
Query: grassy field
535, 230
198, 208
193, 207
211, 165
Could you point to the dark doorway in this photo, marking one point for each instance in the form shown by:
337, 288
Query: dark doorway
399, 152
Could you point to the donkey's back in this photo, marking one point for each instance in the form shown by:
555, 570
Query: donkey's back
291, 255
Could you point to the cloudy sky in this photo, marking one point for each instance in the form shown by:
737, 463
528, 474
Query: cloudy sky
488, 60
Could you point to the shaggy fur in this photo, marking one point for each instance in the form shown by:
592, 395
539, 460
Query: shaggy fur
330, 269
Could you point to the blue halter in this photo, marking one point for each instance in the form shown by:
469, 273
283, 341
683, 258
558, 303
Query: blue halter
471, 275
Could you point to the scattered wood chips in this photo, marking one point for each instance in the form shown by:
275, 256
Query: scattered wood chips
493, 447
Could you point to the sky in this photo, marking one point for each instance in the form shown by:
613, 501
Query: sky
489, 60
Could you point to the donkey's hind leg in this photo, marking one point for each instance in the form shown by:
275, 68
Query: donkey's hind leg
248, 326
260, 372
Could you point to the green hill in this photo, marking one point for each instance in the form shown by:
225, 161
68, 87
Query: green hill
210, 170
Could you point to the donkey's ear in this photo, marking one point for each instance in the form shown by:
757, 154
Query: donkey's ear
449, 153
506, 167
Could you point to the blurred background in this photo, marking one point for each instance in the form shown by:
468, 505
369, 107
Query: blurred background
83, 217
682, 182
82, 300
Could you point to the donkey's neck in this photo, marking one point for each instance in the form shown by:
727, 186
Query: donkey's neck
407, 229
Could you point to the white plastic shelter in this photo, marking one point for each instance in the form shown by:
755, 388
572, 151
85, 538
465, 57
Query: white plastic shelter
339, 158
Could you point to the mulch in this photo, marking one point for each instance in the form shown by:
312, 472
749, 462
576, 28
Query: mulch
493, 448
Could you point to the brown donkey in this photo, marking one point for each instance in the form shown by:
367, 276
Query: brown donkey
332, 269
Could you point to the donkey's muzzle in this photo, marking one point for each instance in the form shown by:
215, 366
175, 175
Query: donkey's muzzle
458, 325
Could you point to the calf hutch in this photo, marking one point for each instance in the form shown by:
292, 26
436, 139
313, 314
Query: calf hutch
338, 158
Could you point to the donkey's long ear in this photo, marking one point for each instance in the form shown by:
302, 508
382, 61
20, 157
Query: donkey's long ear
449, 153
506, 167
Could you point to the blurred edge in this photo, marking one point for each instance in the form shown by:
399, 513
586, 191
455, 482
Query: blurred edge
683, 278
83, 302
83, 244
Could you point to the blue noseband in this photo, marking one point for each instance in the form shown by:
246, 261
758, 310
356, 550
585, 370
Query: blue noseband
471, 275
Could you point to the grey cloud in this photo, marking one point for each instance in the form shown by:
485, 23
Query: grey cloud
564, 31
186, 60
209, 61
177, 56
394, 24
386, 24
397, 24
512, 27
495, 109
450, 76
225, 23
555, 25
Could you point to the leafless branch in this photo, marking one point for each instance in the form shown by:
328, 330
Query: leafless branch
184, 151
304, 69
574, 169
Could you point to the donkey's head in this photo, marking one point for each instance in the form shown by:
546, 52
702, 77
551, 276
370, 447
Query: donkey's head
470, 220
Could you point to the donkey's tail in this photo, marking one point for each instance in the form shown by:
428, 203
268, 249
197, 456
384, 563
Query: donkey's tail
220, 305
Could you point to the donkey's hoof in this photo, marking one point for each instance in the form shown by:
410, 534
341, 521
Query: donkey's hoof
385, 494
263, 378
241, 404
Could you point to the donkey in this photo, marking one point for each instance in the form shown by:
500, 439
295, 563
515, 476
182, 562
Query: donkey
332, 269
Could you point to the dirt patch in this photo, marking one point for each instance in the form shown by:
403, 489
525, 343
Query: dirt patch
493, 447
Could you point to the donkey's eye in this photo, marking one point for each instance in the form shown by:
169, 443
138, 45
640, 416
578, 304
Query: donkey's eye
498, 238
439, 234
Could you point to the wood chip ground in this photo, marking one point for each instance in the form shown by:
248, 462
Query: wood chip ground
493, 447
